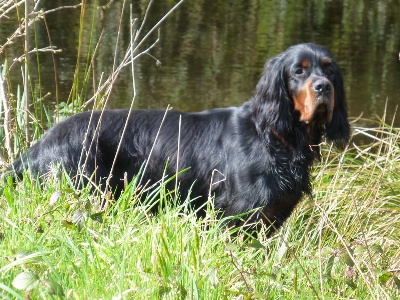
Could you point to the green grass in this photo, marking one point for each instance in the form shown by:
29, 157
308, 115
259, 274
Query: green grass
342, 243
56, 242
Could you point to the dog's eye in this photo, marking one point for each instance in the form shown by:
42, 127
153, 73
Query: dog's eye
329, 71
299, 71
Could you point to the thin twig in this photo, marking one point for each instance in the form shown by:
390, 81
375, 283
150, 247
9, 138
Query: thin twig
128, 57
177, 154
240, 271
157, 25
4, 14
21, 30
154, 143
61, 7
131, 106
51, 49
3, 101
26, 84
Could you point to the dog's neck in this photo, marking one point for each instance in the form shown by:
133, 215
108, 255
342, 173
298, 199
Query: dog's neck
282, 139
311, 145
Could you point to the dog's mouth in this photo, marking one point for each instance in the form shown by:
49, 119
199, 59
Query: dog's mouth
321, 114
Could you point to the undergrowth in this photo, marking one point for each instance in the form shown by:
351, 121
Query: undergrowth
341, 243
58, 242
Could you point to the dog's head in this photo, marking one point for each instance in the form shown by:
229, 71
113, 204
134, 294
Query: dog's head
303, 85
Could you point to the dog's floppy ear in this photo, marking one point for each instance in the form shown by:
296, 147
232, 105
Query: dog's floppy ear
338, 130
271, 102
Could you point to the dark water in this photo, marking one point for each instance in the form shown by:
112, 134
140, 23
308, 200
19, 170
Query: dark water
212, 51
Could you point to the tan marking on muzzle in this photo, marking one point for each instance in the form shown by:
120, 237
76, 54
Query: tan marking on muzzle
307, 100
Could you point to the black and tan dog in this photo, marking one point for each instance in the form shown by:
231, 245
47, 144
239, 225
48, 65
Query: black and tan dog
262, 150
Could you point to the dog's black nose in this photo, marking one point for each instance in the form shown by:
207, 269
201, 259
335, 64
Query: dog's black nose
322, 86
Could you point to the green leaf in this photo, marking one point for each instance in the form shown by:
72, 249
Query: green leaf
347, 259
98, 217
67, 224
213, 277
396, 281
54, 288
329, 265
376, 248
23, 258
25, 281
230, 247
54, 198
4, 70
358, 250
351, 284
7, 194
10, 182
385, 277
68, 191
259, 296
256, 244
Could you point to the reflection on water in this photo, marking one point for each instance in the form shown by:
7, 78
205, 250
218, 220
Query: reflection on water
212, 51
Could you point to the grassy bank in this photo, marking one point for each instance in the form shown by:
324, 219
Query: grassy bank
341, 243
56, 242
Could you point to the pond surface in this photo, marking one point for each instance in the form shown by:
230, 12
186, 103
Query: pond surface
210, 53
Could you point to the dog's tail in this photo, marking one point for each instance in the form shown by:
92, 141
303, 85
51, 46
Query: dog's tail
20, 165
15, 169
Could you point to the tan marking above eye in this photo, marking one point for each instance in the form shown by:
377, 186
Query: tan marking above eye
305, 63
326, 61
